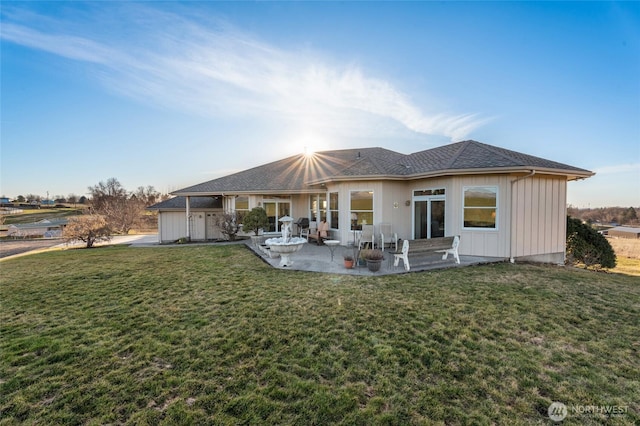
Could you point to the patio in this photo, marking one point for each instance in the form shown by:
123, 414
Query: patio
318, 259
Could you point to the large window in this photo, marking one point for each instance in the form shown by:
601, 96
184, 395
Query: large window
333, 209
318, 207
361, 209
480, 207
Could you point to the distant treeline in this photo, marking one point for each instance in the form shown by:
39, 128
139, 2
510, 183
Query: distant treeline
606, 215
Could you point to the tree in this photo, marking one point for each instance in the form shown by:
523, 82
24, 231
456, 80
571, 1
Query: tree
147, 196
588, 247
229, 223
255, 220
87, 228
120, 209
21, 199
629, 216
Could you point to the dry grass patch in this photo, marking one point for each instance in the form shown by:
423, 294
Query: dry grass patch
626, 247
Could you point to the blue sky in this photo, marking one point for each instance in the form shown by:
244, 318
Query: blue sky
171, 94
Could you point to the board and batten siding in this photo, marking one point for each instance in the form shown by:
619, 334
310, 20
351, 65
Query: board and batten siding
479, 242
539, 223
172, 226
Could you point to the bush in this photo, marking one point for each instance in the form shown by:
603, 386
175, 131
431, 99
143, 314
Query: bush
255, 220
588, 247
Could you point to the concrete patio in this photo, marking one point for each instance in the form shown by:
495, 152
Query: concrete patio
318, 259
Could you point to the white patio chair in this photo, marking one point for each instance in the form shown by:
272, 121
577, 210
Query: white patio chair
402, 255
367, 236
387, 236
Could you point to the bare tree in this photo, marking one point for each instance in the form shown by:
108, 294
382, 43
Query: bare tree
111, 200
230, 223
148, 196
87, 228
122, 210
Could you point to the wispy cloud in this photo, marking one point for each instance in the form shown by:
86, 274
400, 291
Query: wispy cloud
618, 169
217, 69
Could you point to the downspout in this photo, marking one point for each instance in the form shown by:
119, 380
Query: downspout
188, 211
513, 234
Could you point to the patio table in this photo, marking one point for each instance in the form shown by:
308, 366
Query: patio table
332, 244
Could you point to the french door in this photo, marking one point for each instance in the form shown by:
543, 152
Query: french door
428, 216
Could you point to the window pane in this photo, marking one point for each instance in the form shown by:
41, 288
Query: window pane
426, 192
362, 200
479, 218
334, 219
333, 201
333, 208
242, 203
480, 197
365, 218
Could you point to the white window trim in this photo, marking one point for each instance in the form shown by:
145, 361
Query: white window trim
373, 205
497, 189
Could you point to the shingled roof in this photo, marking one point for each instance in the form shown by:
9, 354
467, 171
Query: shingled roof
299, 173
180, 203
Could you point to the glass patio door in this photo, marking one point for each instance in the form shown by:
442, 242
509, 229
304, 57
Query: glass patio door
275, 210
428, 217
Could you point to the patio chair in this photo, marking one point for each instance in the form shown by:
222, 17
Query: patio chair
301, 225
367, 236
402, 256
388, 237
311, 232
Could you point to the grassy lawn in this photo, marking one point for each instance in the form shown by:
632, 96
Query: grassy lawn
211, 335
35, 215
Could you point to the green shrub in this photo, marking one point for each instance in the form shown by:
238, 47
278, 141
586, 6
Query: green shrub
255, 220
588, 247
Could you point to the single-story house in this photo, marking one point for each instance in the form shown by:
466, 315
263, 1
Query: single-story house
48, 228
624, 232
502, 203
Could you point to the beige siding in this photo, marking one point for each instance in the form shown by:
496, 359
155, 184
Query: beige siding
393, 198
300, 206
484, 242
539, 216
172, 226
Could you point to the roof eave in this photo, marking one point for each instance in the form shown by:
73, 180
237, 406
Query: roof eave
244, 192
570, 174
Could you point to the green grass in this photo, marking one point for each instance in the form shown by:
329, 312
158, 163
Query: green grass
35, 215
212, 335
